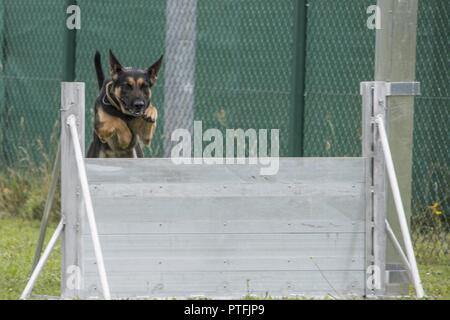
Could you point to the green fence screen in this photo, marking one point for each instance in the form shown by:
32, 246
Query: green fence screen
431, 157
340, 55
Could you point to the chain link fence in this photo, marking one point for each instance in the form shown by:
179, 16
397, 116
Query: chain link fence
431, 166
231, 64
340, 55
30, 77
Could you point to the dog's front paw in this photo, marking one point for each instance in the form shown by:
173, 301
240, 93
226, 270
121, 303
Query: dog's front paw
151, 114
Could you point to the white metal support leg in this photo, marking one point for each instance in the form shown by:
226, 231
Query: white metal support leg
40, 265
398, 247
399, 207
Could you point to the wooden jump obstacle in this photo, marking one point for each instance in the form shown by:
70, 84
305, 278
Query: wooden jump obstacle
162, 230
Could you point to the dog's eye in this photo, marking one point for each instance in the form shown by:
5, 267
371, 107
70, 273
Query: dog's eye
128, 86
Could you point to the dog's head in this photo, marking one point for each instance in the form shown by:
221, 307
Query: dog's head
132, 87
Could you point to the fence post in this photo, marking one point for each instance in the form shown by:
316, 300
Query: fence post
69, 47
298, 94
395, 62
179, 73
72, 102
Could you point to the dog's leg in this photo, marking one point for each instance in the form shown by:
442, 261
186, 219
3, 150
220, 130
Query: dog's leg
149, 125
112, 130
139, 152
145, 127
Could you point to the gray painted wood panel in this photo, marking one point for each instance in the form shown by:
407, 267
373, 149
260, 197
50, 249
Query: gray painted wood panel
197, 263
178, 231
221, 190
231, 284
292, 170
229, 215
231, 245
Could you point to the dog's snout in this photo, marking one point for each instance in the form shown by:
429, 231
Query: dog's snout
139, 104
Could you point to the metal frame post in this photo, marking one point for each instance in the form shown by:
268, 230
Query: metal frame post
72, 103
374, 102
367, 152
380, 196
376, 150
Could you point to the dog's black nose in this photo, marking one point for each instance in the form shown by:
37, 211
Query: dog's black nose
139, 104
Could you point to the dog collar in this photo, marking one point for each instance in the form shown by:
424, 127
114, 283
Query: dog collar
111, 101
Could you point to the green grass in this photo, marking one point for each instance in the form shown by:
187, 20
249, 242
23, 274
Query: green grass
436, 280
18, 238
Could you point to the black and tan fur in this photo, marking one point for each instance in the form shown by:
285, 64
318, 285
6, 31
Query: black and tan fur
124, 115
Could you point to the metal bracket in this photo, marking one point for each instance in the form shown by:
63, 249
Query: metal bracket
397, 88
403, 89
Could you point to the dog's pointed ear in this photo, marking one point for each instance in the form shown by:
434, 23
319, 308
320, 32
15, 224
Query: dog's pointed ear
114, 65
154, 69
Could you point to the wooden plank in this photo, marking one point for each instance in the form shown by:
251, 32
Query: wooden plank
231, 284
241, 263
292, 170
228, 190
230, 245
223, 226
229, 215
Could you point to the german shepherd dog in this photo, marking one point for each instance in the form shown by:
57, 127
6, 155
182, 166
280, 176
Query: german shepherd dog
124, 114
